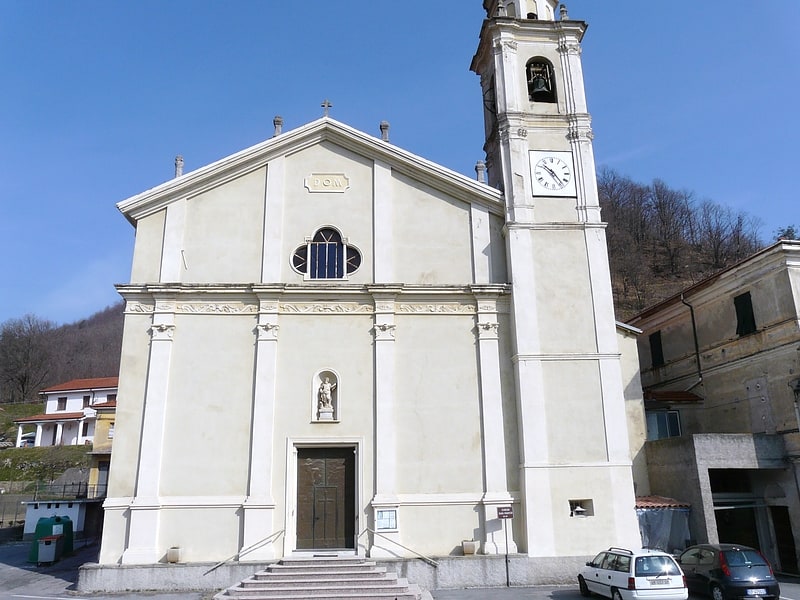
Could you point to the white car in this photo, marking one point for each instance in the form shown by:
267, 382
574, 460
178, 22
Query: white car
623, 574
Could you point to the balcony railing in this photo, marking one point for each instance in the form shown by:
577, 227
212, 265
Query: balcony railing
68, 491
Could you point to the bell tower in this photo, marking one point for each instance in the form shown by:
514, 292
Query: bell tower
576, 484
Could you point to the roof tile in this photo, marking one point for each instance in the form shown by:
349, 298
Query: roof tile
84, 384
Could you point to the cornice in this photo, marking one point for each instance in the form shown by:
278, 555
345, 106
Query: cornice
177, 289
286, 299
556, 226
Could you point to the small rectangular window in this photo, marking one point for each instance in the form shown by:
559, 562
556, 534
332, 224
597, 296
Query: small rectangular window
85, 429
111, 398
62, 403
745, 318
86, 401
656, 350
111, 431
663, 424
581, 508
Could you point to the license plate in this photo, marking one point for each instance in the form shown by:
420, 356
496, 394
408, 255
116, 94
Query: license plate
661, 582
757, 592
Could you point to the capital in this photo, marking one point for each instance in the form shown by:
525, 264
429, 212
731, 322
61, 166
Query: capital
162, 331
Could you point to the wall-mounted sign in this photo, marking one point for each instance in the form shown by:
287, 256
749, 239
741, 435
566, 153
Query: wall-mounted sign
505, 512
327, 182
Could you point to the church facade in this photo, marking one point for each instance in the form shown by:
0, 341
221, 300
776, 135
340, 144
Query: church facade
333, 345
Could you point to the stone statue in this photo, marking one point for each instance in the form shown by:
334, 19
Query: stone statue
325, 390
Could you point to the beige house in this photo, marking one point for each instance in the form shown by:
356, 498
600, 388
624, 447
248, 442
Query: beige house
721, 371
101, 449
332, 345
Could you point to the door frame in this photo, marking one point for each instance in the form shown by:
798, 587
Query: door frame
290, 516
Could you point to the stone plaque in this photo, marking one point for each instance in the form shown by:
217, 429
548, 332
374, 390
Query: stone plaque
327, 182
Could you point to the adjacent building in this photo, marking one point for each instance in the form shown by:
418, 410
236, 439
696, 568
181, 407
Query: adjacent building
70, 413
77, 412
720, 364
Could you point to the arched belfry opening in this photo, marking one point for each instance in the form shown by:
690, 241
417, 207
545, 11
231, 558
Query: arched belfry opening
541, 81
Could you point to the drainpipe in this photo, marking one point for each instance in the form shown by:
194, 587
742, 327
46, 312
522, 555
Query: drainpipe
795, 385
696, 345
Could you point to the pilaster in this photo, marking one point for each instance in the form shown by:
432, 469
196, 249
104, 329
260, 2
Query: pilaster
144, 511
385, 427
383, 235
494, 442
273, 220
172, 259
259, 507
481, 239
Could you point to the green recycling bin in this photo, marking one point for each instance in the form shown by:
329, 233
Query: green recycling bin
48, 527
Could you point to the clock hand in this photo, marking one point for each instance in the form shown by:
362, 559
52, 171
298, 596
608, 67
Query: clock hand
553, 174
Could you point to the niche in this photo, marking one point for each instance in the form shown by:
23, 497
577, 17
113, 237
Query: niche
326, 396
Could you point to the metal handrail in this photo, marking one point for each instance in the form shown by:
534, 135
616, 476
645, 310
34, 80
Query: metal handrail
271, 537
427, 559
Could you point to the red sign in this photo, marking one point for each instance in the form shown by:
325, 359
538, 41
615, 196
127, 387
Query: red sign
505, 512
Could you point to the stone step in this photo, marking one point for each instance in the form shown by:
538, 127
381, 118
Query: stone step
330, 574
328, 578
344, 595
238, 592
327, 560
334, 579
323, 566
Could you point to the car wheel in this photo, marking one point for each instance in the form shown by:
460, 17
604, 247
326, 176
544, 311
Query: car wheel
716, 593
584, 588
615, 595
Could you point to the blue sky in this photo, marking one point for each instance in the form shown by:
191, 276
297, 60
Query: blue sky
98, 98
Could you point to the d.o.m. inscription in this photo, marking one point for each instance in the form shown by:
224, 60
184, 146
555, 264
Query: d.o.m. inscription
327, 182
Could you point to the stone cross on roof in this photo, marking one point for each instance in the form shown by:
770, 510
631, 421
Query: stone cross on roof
326, 105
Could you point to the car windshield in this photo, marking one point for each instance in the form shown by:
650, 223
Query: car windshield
744, 558
651, 566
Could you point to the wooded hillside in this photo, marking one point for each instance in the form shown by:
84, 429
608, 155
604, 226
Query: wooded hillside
661, 240
35, 354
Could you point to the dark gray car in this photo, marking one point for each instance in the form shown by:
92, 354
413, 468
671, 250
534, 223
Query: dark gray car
728, 572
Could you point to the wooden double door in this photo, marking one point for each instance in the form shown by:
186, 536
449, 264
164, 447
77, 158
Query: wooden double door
326, 492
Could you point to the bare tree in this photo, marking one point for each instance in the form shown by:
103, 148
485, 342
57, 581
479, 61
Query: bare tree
716, 227
744, 239
25, 357
672, 212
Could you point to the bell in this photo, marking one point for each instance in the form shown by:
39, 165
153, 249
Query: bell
540, 85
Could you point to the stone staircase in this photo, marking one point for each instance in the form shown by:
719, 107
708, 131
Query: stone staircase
348, 578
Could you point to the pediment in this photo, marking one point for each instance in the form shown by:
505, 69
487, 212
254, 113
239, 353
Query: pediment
325, 130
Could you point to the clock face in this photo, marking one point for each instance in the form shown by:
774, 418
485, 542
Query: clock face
552, 173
